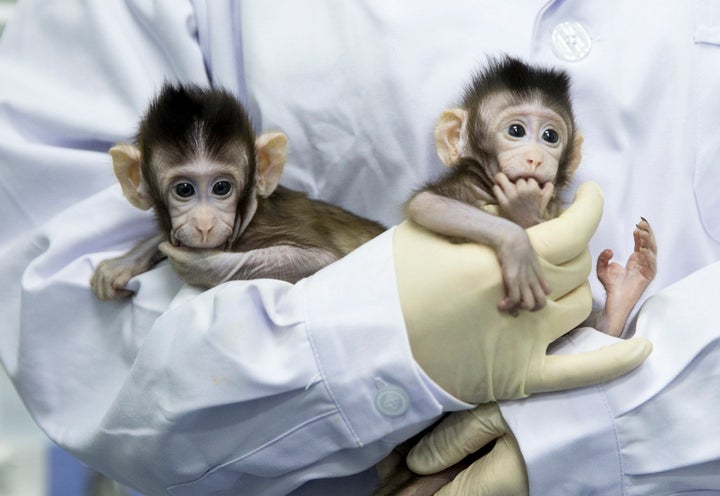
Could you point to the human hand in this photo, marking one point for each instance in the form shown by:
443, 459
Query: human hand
479, 354
523, 201
500, 472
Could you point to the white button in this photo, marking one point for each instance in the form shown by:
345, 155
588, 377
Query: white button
392, 401
571, 41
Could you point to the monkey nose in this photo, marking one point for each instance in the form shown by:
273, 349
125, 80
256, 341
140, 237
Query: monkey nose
204, 231
533, 162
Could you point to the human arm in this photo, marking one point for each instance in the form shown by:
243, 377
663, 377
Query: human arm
606, 438
460, 302
110, 382
62, 277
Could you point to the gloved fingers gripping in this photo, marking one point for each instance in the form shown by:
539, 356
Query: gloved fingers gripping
565, 313
457, 436
564, 278
501, 472
592, 367
565, 237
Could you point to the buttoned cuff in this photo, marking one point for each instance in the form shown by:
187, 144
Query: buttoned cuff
356, 328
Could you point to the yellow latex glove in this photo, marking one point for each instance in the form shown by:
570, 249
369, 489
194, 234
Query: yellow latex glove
500, 472
449, 294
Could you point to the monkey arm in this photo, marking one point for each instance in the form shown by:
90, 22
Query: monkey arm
525, 284
112, 275
442, 285
208, 268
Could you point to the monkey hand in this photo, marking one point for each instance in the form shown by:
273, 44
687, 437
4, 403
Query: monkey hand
111, 276
525, 285
523, 201
201, 267
500, 472
476, 352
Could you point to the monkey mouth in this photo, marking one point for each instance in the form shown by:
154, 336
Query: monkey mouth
540, 180
182, 238
202, 245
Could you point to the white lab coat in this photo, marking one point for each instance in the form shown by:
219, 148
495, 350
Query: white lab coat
258, 387
652, 432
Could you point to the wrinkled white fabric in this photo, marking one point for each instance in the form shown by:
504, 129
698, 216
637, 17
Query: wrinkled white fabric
651, 432
357, 87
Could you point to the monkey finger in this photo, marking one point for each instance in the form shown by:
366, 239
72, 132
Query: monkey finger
527, 184
527, 297
501, 178
539, 295
644, 238
512, 300
603, 261
509, 305
500, 196
644, 224
175, 253
121, 293
504, 183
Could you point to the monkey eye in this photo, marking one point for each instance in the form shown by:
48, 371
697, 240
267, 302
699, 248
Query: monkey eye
516, 131
551, 136
222, 188
184, 190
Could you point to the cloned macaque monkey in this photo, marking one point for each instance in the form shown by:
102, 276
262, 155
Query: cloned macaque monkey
511, 146
214, 188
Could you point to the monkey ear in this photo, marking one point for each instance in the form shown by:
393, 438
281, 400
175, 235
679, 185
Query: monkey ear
574, 154
126, 163
271, 151
448, 135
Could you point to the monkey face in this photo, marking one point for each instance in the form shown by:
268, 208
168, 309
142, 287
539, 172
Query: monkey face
529, 140
202, 198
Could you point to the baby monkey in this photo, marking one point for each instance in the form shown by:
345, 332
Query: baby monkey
214, 188
511, 146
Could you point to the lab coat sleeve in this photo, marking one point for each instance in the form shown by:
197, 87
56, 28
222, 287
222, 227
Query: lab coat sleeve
260, 385
644, 433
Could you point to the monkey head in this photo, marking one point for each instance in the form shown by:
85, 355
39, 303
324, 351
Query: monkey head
514, 119
197, 163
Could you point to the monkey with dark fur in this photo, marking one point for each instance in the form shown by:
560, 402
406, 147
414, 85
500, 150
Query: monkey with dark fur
511, 146
214, 188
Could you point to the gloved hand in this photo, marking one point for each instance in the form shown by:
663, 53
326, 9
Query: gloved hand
498, 473
449, 294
